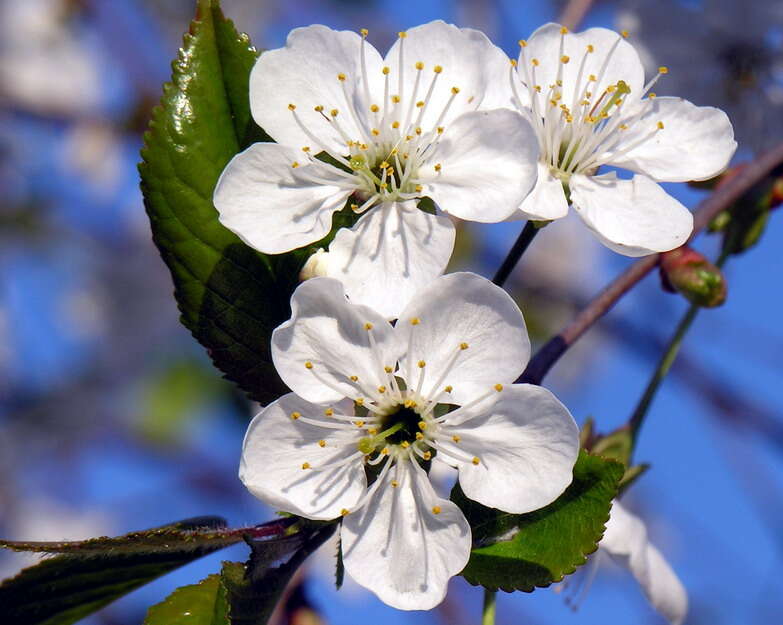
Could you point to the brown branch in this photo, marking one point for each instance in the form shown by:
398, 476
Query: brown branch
721, 199
574, 12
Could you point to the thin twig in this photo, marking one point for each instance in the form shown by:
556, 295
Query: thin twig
720, 200
574, 12
523, 241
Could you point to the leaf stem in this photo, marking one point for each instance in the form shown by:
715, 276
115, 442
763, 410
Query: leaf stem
488, 613
524, 239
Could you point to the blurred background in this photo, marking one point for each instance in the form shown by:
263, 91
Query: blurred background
112, 418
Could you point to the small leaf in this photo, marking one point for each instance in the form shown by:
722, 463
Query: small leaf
525, 551
199, 604
92, 573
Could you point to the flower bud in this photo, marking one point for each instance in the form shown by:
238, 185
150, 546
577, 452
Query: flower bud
315, 266
688, 272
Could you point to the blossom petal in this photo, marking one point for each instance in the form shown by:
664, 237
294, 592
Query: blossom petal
305, 73
613, 59
462, 310
526, 443
469, 61
486, 165
270, 205
547, 200
389, 254
406, 542
632, 217
626, 541
695, 143
328, 332
275, 449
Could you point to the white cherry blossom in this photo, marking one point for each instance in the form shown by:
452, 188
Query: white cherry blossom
374, 404
586, 97
415, 124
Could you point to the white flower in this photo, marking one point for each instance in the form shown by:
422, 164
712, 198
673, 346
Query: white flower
372, 400
587, 100
396, 129
626, 541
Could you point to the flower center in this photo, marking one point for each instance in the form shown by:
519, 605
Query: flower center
581, 135
408, 421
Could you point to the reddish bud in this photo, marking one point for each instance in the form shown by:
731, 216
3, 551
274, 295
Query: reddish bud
688, 272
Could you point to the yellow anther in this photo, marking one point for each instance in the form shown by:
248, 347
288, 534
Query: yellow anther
498, 387
652, 95
384, 185
384, 165
563, 30
421, 364
419, 436
408, 403
368, 326
418, 188
537, 88
375, 132
385, 451
354, 207
295, 164
394, 151
418, 130
374, 108
663, 69
359, 424
305, 465
435, 509
354, 378
440, 130
395, 99
394, 483
385, 70
611, 88
364, 32
322, 443
624, 34
427, 455
388, 369
405, 444
569, 118
334, 112
592, 78
359, 401
340, 76
415, 321
437, 69
463, 346
381, 389
522, 43
420, 103
590, 47
408, 137
344, 512
402, 34
292, 107
328, 412
513, 62
475, 460
318, 108
535, 62
422, 425
623, 127
419, 65
295, 415
395, 124
306, 148
455, 90
449, 388
456, 438
565, 58
372, 431
437, 167
660, 125
362, 146
308, 365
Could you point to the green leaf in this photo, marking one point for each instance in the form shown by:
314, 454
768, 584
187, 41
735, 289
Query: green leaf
230, 296
199, 604
92, 573
525, 551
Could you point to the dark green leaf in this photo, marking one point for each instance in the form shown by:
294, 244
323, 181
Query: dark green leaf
200, 604
521, 552
230, 296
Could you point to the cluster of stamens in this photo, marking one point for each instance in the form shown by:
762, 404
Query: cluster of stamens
579, 136
395, 420
383, 163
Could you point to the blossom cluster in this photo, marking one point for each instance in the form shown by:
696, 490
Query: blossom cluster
393, 365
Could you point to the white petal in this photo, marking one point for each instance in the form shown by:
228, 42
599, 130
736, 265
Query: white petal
268, 204
304, 73
626, 541
390, 253
696, 142
544, 45
455, 309
632, 217
329, 332
399, 548
526, 442
488, 164
546, 201
469, 61
275, 448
